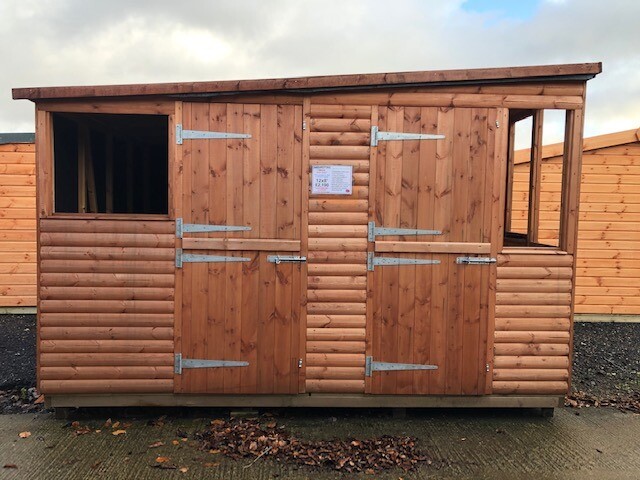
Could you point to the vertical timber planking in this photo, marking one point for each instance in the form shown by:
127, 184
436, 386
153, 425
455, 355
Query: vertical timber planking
268, 229
233, 320
251, 269
407, 274
216, 174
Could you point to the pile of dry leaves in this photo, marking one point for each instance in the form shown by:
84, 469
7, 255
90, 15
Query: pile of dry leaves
242, 438
624, 403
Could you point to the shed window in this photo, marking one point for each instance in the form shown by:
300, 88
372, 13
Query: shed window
534, 179
107, 163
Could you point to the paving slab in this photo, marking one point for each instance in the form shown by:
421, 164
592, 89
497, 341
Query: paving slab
597, 443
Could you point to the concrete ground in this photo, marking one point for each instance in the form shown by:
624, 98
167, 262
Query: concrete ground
597, 443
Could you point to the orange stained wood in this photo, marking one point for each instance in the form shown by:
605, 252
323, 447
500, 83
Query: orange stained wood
100, 315
433, 314
246, 311
337, 246
17, 225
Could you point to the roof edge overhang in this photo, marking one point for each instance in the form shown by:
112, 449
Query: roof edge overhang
299, 85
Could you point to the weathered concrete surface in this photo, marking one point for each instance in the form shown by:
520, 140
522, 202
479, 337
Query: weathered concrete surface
599, 443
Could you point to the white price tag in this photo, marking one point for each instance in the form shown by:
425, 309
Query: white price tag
332, 180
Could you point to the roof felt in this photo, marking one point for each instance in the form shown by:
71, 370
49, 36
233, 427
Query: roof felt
6, 138
580, 71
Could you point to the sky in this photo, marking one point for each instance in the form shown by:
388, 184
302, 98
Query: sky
80, 42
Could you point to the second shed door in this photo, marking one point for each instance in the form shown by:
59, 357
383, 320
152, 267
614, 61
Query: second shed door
432, 314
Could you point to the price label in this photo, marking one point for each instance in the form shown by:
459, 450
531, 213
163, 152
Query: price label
332, 180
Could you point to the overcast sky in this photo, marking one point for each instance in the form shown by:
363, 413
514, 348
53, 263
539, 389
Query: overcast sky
81, 42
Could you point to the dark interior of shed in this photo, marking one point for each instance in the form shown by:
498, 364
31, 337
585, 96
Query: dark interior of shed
105, 163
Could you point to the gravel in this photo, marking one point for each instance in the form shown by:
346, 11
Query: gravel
606, 359
17, 351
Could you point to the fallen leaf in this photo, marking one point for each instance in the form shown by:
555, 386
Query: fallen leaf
156, 444
214, 451
10, 465
217, 421
184, 439
211, 464
115, 425
175, 442
118, 432
108, 423
39, 400
25, 434
184, 469
98, 431
162, 459
126, 425
271, 425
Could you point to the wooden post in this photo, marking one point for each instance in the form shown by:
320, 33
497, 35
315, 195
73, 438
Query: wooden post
129, 177
572, 166
510, 168
109, 173
535, 177
90, 174
82, 170
146, 182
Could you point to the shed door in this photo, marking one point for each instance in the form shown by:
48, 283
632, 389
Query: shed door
241, 311
433, 314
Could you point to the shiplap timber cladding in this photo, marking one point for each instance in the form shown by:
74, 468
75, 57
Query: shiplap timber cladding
17, 225
242, 311
115, 308
607, 268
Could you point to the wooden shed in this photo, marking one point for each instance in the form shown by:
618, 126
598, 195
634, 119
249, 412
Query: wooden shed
608, 257
17, 223
308, 241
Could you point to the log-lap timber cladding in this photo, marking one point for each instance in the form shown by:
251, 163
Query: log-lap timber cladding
277, 305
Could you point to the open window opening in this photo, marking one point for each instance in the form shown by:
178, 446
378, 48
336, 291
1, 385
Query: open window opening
107, 163
534, 178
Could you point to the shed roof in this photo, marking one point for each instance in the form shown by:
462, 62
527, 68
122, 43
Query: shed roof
578, 72
6, 138
590, 143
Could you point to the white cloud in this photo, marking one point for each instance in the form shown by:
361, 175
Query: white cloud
71, 42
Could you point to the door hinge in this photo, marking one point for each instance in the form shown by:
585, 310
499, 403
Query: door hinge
374, 231
372, 261
497, 124
195, 258
304, 125
487, 367
300, 363
475, 260
371, 366
180, 363
205, 135
377, 136
182, 228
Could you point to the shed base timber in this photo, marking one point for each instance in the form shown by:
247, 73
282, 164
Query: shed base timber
309, 400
